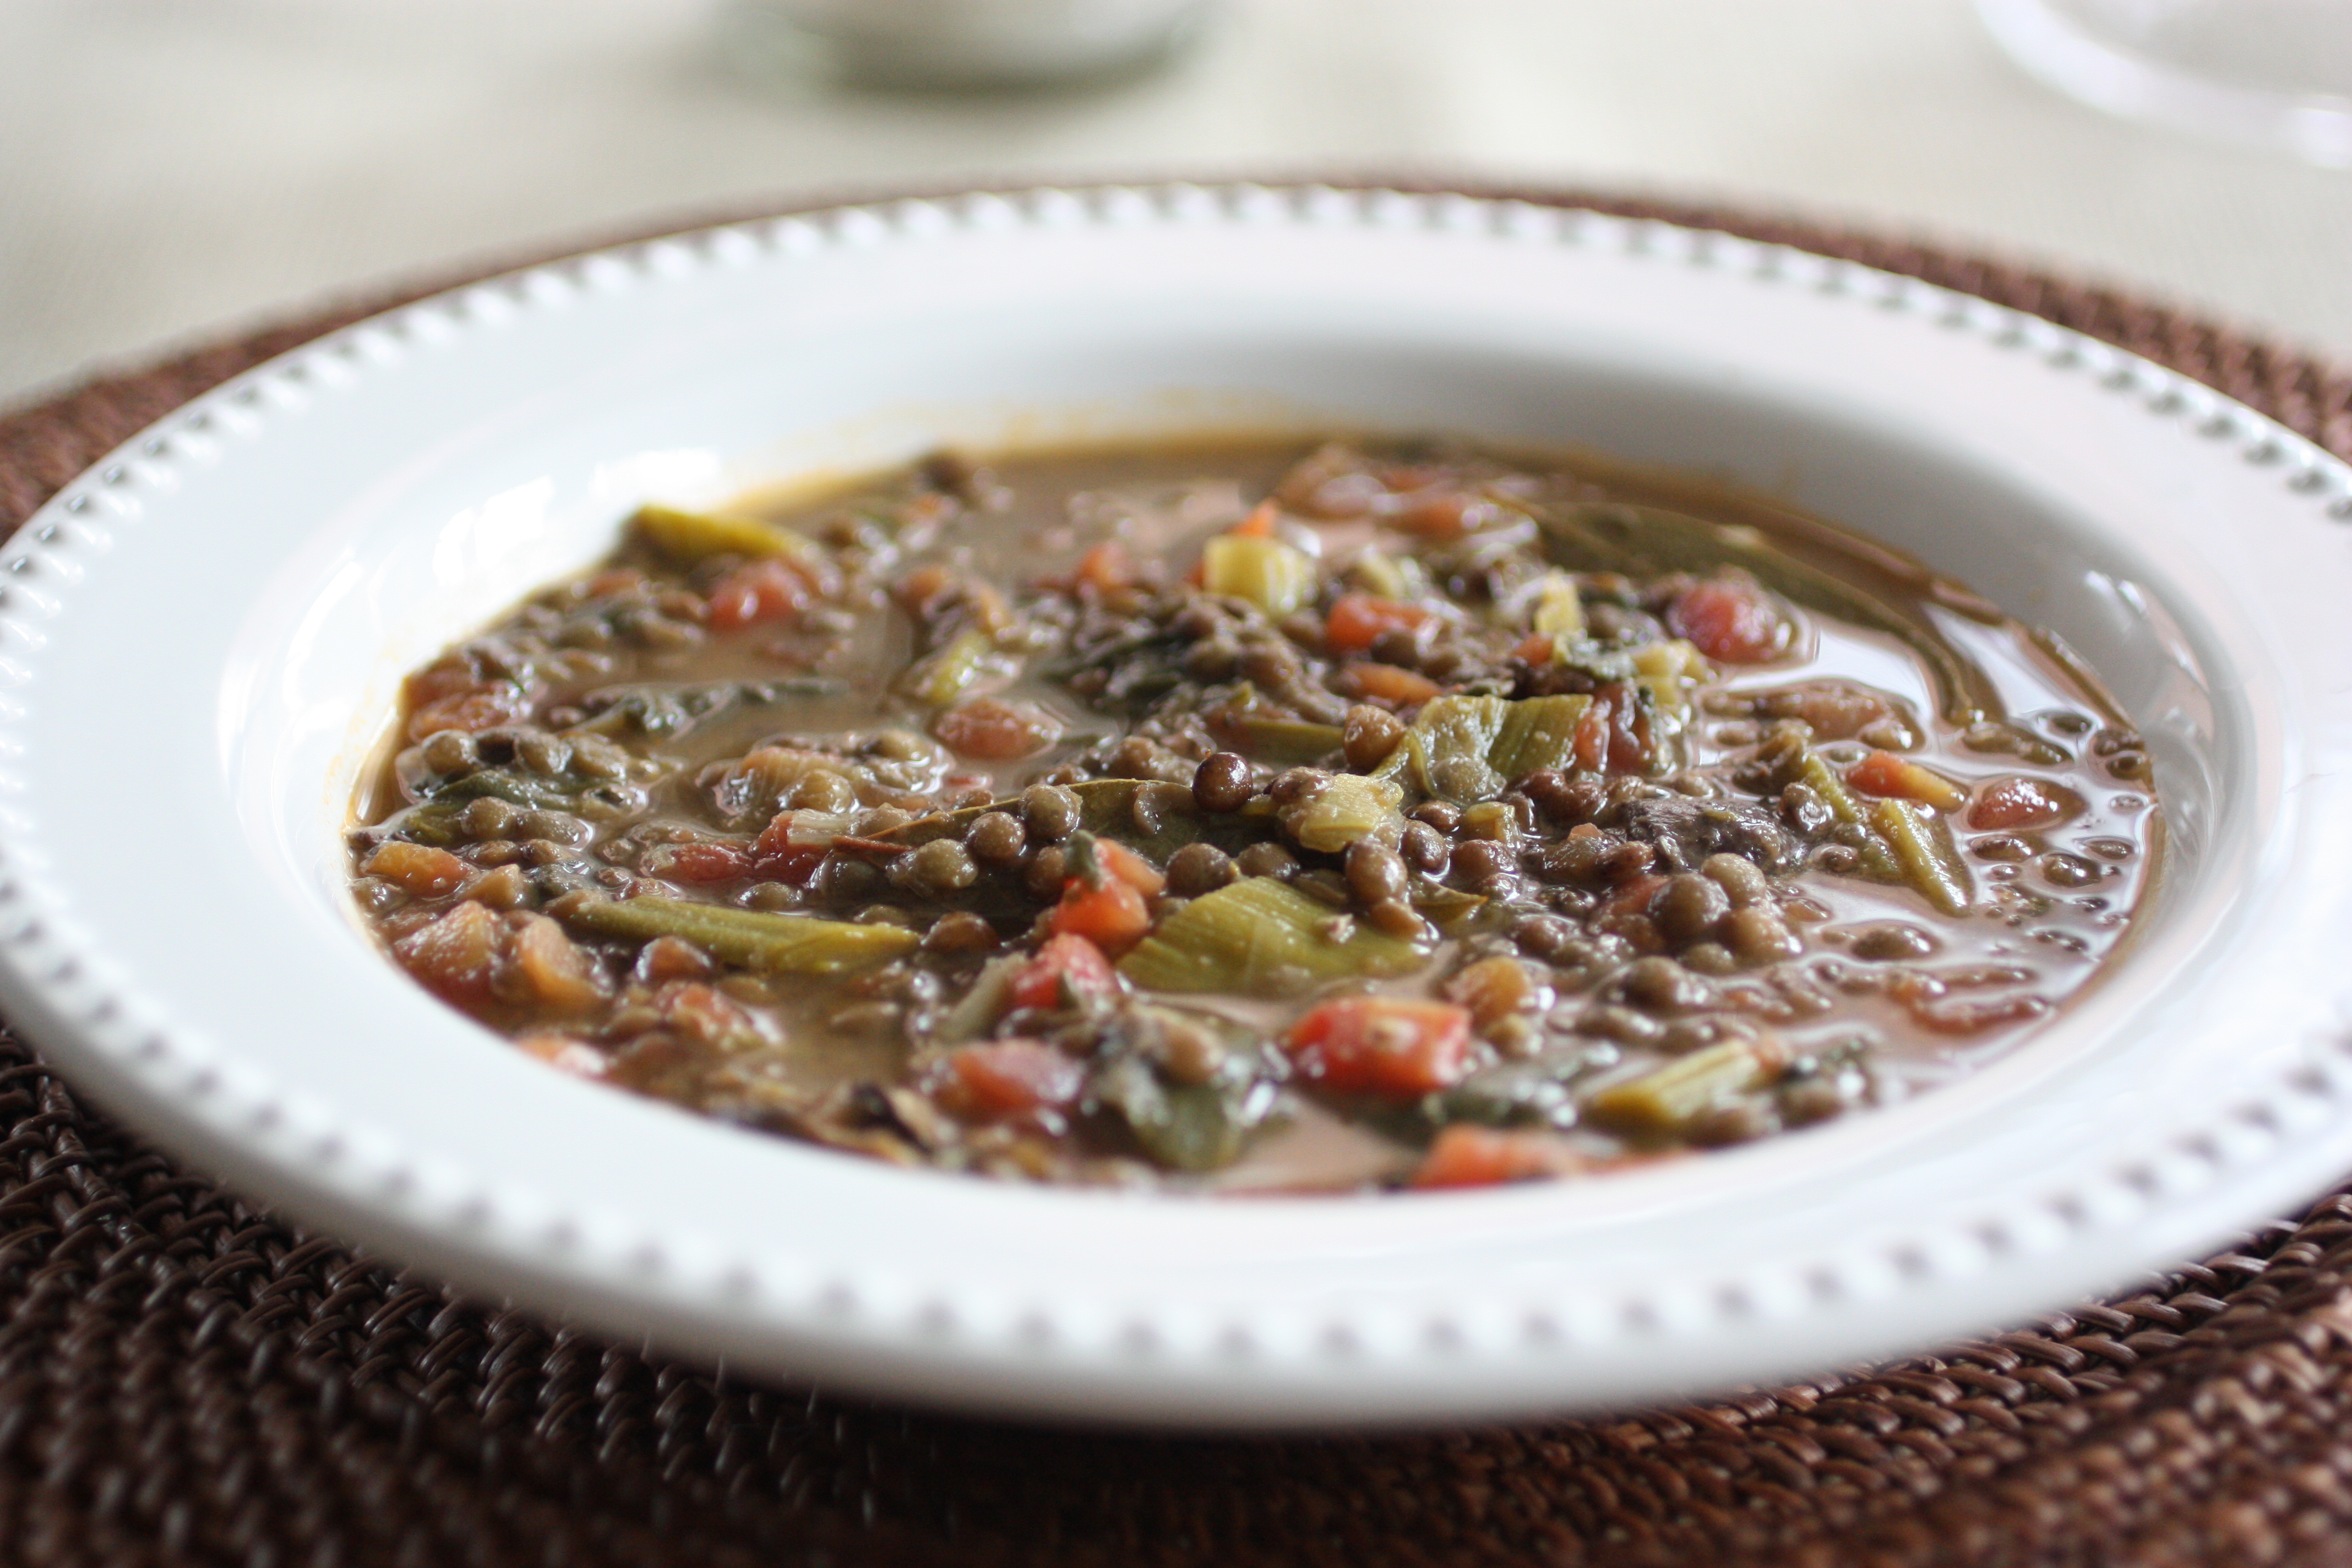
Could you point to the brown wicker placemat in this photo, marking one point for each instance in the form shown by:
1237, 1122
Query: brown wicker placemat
185, 1380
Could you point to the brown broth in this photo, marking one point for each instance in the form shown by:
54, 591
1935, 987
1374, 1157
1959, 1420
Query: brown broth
547, 800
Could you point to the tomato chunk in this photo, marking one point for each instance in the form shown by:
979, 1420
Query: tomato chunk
1129, 866
417, 869
1884, 774
697, 865
1388, 683
1384, 1046
1730, 620
1357, 621
456, 956
1106, 568
757, 590
992, 730
1067, 969
1468, 1157
1111, 913
1008, 1078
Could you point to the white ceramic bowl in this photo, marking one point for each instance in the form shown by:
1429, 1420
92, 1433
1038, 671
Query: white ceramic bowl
199, 642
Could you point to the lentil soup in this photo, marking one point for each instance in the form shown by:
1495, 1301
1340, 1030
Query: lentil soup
1258, 817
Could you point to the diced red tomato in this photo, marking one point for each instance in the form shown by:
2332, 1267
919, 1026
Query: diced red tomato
1385, 1046
698, 865
1466, 1156
486, 707
1129, 866
989, 730
1259, 523
1629, 731
1105, 568
1008, 1078
1884, 774
456, 956
1111, 914
756, 591
2014, 802
775, 857
417, 869
448, 676
1592, 735
1067, 969
1358, 620
552, 970
1387, 683
1633, 895
703, 1013
1729, 619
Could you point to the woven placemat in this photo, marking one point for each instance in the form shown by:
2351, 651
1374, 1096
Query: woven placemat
184, 1379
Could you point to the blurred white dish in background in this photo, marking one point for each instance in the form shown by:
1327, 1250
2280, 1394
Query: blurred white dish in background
974, 44
201, 638
2267, 73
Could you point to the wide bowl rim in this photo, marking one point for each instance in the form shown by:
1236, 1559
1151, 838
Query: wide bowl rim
79, 1007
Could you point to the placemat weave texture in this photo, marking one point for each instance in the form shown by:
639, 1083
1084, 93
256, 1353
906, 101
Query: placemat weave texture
184, 1379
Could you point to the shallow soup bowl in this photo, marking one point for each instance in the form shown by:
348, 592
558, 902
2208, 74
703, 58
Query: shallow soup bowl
202, 642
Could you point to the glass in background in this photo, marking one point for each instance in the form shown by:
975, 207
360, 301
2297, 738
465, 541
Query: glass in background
962, 45
2269, 73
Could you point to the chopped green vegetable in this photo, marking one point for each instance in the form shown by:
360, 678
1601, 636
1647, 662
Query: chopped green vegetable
1444, 907
1345, 808
1466, 749
1665, 1101
1284, 742
943, 678
771, 944
1188, 1127
1559, 609
1665, 666
688, 537
978, 1009
1452, 738
1539, 733
1923, 849
1263, 937
1275, 576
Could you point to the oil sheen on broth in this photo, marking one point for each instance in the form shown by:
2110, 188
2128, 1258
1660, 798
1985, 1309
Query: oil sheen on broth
1372, 814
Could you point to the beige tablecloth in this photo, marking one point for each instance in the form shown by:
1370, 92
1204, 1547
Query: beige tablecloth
168, 169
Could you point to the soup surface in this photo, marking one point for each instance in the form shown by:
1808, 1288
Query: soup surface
1258, 817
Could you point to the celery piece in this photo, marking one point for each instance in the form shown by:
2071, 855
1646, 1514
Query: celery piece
1665, 1100
688, 537
1822, 780
1378, 574
1273, 576
941, 679
1285, 741
1455, 734
1262, 937
1538, 732
979, 1009
1444, 907
749, 938
1559, 609
1923, 849
1665, 667
1344, 809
